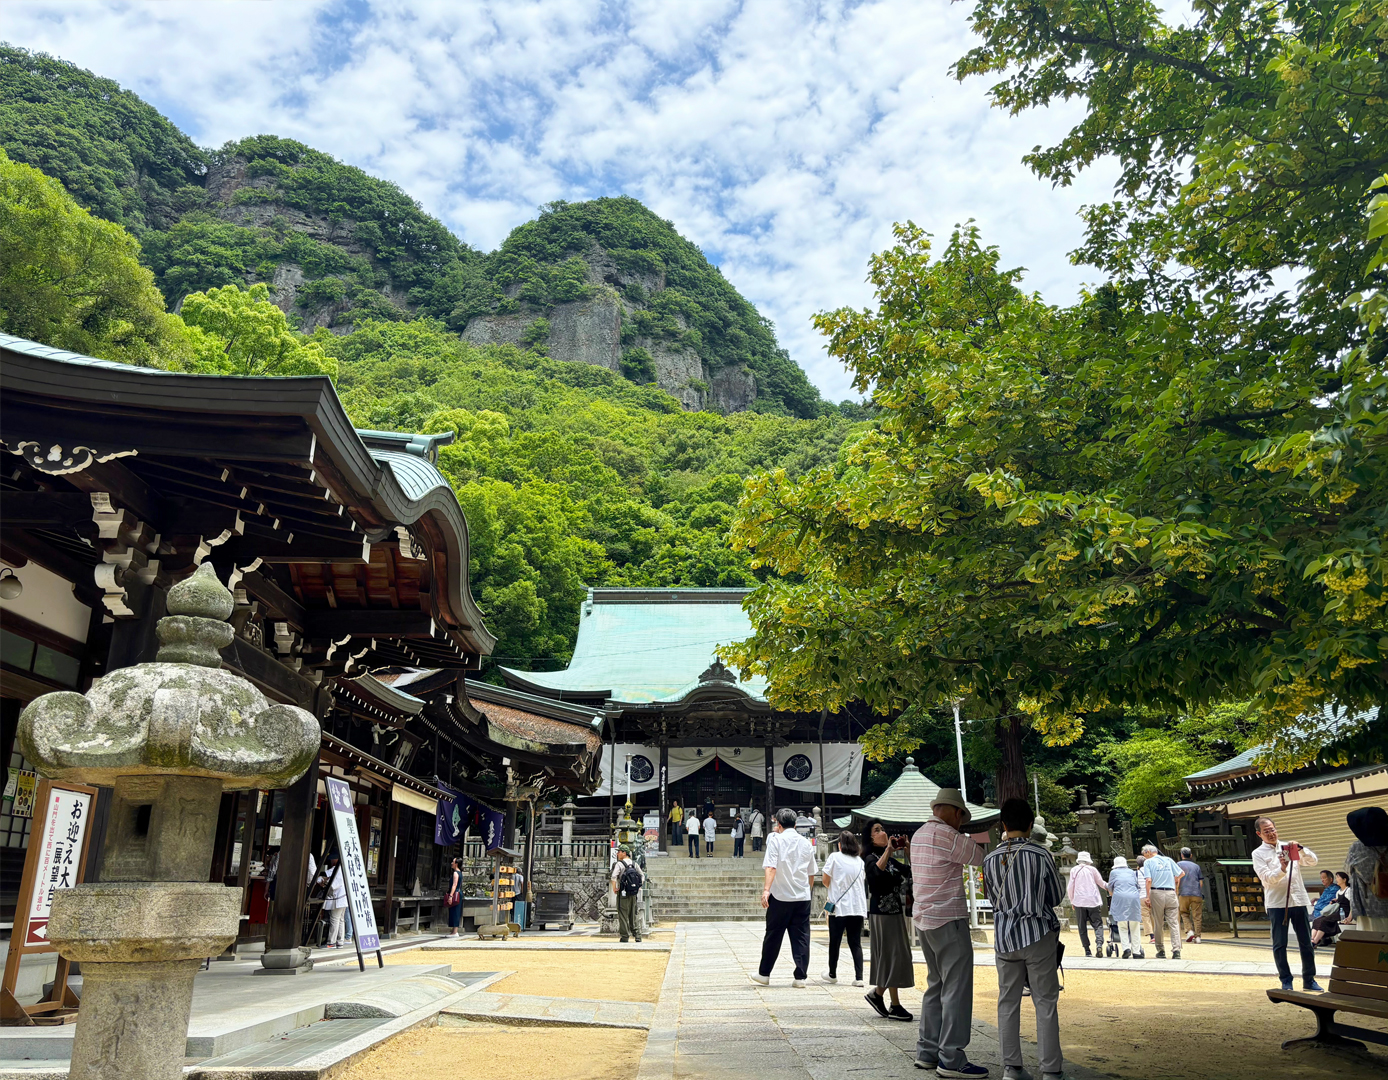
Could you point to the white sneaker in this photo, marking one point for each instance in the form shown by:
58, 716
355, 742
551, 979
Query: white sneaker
1190, 937
799, 984
761, 980
829, 978
857, 982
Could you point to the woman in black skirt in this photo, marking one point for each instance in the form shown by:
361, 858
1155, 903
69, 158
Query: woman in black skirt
889, 889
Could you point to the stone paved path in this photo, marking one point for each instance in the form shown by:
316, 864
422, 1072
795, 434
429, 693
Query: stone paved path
1151, 965
714, 1023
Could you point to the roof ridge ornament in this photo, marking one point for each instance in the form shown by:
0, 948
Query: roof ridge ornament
718, 672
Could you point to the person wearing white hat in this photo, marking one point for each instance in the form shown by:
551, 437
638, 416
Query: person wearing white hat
1125, 907
940, 850
1083, 889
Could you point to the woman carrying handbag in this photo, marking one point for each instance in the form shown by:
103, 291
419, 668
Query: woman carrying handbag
889, 917
455, 898
846, 906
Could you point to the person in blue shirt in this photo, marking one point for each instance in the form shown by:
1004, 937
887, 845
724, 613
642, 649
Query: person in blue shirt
1163, 874
1330, 892
1190, 895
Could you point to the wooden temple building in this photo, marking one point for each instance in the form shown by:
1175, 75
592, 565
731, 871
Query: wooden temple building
647, 660
347, 554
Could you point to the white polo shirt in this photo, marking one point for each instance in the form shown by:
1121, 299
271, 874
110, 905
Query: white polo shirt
792, 857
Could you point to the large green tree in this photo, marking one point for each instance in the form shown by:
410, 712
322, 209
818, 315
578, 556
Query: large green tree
1166, 494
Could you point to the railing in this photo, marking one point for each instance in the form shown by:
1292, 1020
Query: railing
550, 848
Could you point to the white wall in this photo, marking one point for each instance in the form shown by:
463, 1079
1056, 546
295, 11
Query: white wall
47, 600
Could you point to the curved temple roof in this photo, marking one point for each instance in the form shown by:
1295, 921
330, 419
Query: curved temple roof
383, 479
641, 645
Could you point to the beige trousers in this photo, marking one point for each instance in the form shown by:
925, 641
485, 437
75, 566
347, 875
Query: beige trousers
1192, 912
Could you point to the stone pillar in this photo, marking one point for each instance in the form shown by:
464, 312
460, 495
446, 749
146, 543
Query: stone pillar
568, 810
284, 954
169, 737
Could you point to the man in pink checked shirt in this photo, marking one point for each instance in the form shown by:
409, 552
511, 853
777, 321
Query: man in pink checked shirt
939, 852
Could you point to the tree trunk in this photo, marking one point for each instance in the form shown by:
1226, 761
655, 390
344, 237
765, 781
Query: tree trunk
1011, 776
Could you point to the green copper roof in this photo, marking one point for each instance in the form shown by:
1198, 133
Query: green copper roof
908, 802
648, 644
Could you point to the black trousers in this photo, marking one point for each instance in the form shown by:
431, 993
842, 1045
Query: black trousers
756, 843
693, 845
850, 926
1300, 922
737, 846
784, 916
1094, 916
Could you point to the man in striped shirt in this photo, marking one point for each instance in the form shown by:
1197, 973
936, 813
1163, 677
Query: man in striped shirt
939, 852
1024, 887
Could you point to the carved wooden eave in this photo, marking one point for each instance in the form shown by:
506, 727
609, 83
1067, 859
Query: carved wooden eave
347, 551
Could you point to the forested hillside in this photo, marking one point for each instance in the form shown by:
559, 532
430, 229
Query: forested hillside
605, 283
278, 259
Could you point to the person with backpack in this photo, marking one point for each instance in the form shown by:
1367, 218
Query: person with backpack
626, 883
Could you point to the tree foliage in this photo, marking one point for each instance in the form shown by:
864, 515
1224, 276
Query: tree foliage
250, 336
570, 475
1167, 494
116, 156
73, 281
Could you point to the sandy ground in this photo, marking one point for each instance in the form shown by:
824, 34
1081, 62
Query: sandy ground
604, 976
1181, 1027
485, 1051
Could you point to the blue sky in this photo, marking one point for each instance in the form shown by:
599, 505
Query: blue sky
783, 137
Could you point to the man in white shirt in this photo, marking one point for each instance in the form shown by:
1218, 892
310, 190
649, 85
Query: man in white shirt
1278, 865
696, 833
335, 903
789, 867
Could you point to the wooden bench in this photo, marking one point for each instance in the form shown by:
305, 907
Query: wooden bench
1358, 984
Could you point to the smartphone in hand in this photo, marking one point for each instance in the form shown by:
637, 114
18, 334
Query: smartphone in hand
1294, 852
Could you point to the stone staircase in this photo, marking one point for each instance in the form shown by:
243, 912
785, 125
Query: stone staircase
706, 890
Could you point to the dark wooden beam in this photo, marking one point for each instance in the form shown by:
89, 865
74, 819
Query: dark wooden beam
58, 510
386, 623
277, 602
305, 548
279, 681
127, 490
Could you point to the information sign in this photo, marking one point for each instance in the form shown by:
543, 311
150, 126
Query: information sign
353, 868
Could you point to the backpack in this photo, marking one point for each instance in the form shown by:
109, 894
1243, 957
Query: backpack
630, 881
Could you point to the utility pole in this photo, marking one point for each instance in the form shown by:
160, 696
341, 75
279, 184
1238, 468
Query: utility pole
964, 793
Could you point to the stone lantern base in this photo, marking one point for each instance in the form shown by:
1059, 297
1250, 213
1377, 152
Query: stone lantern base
140, 944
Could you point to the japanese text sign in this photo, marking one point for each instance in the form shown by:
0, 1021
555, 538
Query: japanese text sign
353, 868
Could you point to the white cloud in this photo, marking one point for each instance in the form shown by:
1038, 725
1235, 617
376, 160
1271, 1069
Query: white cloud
784, 137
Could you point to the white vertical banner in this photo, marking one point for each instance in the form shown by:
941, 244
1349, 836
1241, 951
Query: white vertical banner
353, 867
61, 841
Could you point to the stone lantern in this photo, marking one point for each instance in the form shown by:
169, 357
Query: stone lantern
568, 811
170, 737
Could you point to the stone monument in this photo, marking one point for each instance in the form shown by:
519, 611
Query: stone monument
170, 737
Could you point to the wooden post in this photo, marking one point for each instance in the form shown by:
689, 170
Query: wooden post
291, 877
391, 837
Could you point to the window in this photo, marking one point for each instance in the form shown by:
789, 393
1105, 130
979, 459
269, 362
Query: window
23, 654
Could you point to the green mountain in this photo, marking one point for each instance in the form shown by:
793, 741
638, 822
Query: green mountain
605, 283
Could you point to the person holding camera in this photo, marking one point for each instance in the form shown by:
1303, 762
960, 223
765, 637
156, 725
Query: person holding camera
889, 919
1279, 865
940, 850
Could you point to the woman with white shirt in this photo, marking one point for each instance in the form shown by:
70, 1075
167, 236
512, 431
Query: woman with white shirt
710, 827
843, 878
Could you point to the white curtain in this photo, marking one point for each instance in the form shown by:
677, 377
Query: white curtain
797, 765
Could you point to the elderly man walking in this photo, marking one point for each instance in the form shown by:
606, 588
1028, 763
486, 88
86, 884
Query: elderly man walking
789, 867
1083, 888
1163, 875
940, 850
1025, 888
1190, 895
